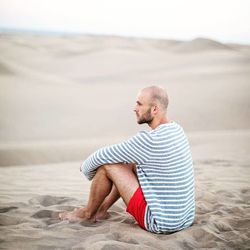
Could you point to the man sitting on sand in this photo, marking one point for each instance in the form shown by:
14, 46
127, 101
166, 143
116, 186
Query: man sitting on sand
152, 172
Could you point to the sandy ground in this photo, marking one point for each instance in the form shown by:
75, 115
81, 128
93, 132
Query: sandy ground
63, 97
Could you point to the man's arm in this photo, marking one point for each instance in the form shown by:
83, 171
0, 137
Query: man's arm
135, 150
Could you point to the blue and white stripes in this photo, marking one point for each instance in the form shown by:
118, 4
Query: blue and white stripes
165, 172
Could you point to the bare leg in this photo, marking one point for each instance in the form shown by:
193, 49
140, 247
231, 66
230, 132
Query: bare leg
101, 197
113, 196
100, 188
102, 212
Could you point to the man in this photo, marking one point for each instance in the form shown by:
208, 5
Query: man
152, 172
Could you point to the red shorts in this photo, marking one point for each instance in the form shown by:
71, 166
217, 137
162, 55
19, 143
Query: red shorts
137, 206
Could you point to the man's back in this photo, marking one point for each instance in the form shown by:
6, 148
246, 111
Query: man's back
167, 179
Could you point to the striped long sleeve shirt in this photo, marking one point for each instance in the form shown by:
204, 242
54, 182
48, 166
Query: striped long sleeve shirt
164, 170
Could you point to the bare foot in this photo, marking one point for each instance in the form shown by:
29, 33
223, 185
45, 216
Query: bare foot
102, 215
78, 214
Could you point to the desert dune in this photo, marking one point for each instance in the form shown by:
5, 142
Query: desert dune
62, 97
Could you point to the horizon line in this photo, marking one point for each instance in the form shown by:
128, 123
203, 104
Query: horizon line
78, 33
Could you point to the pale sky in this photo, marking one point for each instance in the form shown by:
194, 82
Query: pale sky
222, 20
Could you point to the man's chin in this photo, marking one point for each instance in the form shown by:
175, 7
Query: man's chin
144, 122
141, 122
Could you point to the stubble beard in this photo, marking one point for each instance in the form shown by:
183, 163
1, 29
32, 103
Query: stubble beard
145, 118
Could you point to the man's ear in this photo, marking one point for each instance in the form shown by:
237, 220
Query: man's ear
155, 109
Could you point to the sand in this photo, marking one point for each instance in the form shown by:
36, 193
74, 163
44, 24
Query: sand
62, 97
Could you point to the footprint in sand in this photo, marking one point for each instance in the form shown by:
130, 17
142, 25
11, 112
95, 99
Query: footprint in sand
6, 209
46, 214
6, 220
48, 200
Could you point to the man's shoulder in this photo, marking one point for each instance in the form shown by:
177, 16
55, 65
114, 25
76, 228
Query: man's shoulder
171, 127
143, 136
143, 133
167, 131
163, 130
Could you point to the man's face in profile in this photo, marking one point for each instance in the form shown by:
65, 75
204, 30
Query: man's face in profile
143, 109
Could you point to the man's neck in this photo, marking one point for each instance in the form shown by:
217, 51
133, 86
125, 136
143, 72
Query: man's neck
157, 122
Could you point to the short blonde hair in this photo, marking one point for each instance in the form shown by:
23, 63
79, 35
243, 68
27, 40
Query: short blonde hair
158, 94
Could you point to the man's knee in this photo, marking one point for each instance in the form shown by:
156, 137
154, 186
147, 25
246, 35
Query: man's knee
102, 169
119, 169
123, 177
111, 167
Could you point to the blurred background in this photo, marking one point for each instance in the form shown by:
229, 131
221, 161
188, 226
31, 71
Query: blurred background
70, 71
224, 21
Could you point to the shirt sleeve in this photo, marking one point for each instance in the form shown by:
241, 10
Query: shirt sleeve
135, 150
